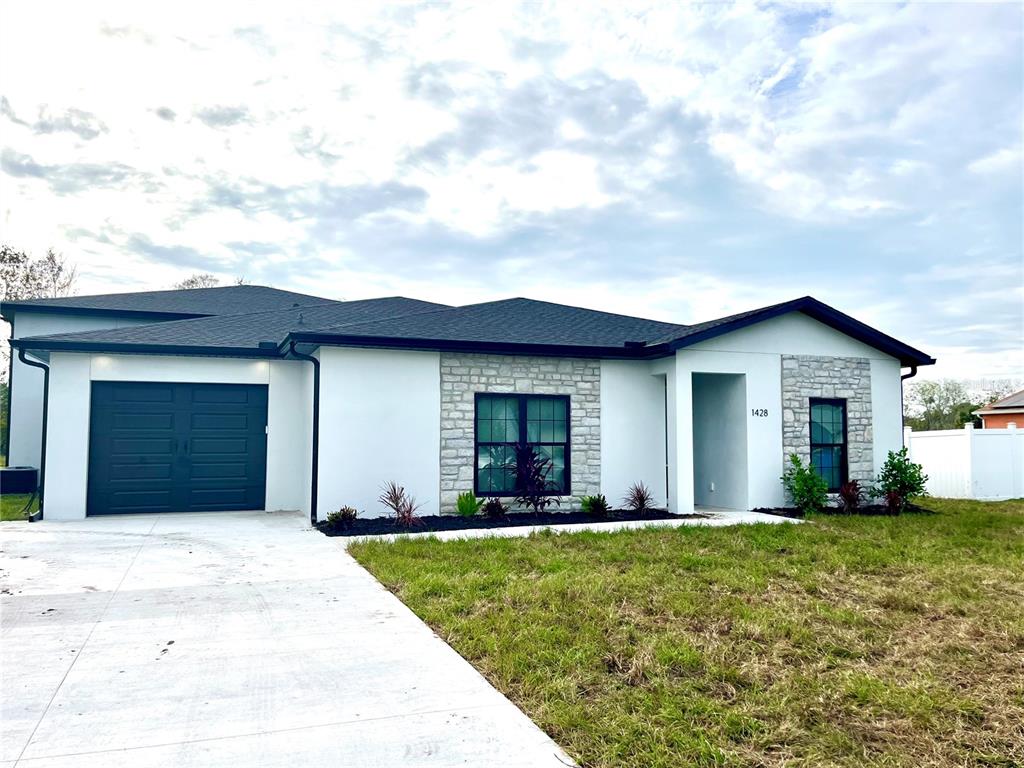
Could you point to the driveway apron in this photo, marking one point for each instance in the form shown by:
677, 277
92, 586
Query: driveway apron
227, 640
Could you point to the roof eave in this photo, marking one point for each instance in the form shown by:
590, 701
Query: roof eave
53, 345
449, 345
8, 308
907, 355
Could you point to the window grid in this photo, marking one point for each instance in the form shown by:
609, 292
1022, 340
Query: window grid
828, 441
503, 420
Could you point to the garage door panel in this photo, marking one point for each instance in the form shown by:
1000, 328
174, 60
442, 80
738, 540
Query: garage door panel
215, 394
222, 446
177, 447
135, 446
219, 421
142, 393
141, 500
211, 499
144, 420
154, 470
218, 470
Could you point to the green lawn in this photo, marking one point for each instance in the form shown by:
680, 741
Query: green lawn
11, 506
850, 641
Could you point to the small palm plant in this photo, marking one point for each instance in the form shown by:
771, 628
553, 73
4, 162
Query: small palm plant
394, 497
639, 498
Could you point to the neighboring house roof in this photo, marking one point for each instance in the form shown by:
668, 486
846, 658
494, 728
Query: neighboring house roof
1010, 404
192, 302
511, 325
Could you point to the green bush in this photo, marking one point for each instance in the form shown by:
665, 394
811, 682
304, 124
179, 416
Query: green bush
806, 488
900, 481
467, 504
594, 505
340, 519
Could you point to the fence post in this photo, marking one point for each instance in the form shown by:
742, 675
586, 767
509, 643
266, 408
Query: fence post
1016, 461
969, 438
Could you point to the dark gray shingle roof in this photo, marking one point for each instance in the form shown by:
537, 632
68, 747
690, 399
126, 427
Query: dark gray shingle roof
515, 321
245, 331
507, 325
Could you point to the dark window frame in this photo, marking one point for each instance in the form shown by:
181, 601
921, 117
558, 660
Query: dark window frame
844, 468
522, 398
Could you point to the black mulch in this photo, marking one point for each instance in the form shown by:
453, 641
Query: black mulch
868, 510
369, 526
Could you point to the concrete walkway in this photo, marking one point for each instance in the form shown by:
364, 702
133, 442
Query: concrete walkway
710, 516
239, 639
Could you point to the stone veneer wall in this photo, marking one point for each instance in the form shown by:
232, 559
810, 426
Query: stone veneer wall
463, 375
847, 378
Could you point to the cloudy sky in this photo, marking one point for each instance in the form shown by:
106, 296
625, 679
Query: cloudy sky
677, 162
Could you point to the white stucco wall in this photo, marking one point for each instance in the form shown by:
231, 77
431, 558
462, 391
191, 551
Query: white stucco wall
763, 379
720, 440
379, 421
792, 334
288, 419
632, 429
27, 382
756, 352
67, 438
886, 408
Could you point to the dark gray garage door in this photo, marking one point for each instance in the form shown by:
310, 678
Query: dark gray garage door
177, 447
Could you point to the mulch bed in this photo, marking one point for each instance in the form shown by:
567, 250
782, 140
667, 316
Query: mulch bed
370, 526
868, 510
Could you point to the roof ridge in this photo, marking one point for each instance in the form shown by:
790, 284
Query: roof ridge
440, 308
577, 307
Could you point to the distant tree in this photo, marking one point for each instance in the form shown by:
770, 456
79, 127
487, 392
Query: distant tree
22, 277
198, 280
940, 404
947, 403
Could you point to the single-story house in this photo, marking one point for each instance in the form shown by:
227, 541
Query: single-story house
247, 397
1003, 412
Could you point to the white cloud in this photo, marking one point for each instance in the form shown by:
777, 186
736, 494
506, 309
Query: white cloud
668, 158
1007, 159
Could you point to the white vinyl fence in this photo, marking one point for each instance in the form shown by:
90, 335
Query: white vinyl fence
969, 463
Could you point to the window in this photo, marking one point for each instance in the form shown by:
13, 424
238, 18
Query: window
503, 421
828, 441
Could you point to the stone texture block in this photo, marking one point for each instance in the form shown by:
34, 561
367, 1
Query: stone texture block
463, 375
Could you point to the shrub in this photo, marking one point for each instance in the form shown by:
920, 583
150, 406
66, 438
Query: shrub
851, 497
639, 498
467, 504
595, 505
493, 508
340, 519
533, 489
900, 481
805, 487
401, 503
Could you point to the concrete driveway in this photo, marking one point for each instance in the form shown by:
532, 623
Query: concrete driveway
241, 639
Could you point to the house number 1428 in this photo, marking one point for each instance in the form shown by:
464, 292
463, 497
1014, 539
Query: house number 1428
762, 412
